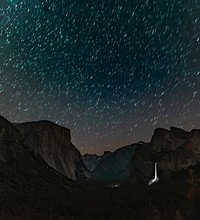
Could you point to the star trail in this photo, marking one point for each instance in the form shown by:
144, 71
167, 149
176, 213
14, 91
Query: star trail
111, 71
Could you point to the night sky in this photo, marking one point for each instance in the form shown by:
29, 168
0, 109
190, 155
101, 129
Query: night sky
111, 71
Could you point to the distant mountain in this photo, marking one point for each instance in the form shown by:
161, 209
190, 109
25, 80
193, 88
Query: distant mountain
53, 143
93, 160
27, 184
116, 165
176, 151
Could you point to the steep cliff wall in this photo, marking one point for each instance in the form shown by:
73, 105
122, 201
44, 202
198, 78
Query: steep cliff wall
53, 143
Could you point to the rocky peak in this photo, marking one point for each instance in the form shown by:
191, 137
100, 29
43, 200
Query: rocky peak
53, 143
179, 133
92, 160
167, 140
105, 153
45, 133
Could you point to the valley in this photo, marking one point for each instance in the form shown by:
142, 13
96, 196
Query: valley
43, 176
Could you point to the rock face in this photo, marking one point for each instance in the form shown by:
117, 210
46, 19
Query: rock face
116, 165
175, 150
164, 140
53, 143
16, 158
92, 160
29, 188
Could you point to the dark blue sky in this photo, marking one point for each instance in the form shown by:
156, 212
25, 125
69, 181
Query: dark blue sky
111, 71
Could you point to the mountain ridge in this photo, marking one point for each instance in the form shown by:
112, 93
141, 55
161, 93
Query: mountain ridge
115, 165
92, 160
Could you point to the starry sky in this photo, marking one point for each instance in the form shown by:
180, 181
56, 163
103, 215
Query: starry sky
111, 71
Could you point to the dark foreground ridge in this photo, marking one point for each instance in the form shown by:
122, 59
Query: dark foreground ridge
31, 189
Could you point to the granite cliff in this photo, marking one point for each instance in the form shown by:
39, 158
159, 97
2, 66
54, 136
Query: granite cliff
53, 143
28, 186
175, 150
